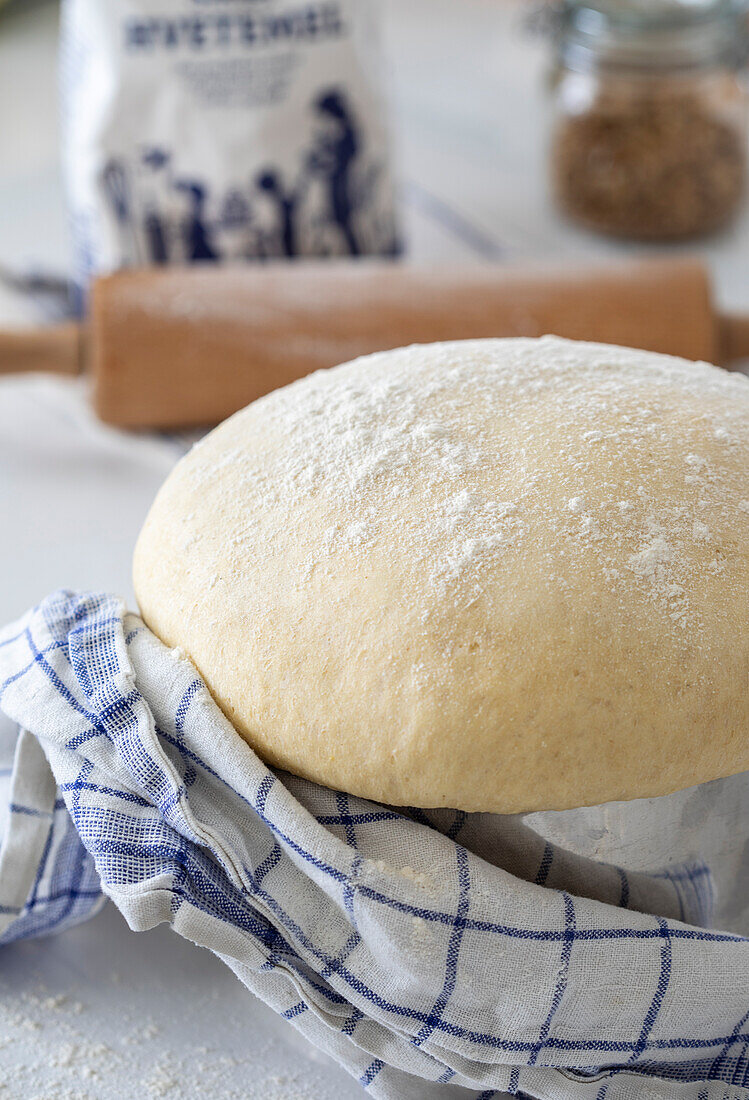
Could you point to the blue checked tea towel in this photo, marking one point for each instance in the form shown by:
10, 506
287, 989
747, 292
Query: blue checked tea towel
458, 949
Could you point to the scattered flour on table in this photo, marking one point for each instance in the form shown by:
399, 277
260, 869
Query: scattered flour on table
49, 1052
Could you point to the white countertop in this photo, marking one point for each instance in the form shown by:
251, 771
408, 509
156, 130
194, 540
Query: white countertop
99, 1012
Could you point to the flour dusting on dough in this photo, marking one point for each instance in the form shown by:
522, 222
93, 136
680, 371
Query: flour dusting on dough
414, 450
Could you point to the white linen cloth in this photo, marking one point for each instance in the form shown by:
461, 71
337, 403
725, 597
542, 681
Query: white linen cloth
393, 939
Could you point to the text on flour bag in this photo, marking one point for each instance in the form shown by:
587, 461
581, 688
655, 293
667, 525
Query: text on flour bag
231, 130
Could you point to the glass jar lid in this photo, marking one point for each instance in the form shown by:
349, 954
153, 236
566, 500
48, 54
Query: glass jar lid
653, 34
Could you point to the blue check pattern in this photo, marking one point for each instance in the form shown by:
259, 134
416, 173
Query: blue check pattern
395, 940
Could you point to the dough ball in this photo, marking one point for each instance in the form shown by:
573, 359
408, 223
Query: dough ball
500, 575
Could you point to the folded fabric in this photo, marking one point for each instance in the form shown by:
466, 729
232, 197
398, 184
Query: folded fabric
398, 941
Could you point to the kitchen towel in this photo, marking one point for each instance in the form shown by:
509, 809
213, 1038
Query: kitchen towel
411, 945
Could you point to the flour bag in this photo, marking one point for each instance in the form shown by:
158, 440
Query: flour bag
227, 130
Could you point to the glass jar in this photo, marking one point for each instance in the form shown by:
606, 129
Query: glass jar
650, 132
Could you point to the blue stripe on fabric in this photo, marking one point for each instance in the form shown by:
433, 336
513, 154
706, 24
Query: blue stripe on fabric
545, 865
682, 874
420, 816
350, 1026
460, 819
349, 889
184, 705
13, 638
660, 992
97, 726
113, 792
71, 894
80, 854
296, 1010
722, 1055
344, 812
40, 869
335, 963
271, 860
36, 659
370, 1073
368, 818
741, 1069
624, 896
29, 811
561, 984
453, 948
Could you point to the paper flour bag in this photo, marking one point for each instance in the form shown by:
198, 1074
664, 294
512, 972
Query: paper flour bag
199, 130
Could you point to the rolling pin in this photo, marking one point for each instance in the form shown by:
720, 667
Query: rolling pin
187, 346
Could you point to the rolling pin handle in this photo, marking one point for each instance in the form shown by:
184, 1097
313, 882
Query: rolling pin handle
733, 338
56, 350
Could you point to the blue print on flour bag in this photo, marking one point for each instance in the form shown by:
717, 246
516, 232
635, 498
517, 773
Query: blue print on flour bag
242, 130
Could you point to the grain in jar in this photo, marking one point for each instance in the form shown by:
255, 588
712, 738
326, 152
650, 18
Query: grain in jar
649, 139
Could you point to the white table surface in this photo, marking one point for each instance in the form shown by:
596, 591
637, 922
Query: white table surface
100, 1012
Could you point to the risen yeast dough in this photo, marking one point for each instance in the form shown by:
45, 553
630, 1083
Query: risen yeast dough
497, 575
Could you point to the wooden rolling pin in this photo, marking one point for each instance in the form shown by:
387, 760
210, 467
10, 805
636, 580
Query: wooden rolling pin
175, 347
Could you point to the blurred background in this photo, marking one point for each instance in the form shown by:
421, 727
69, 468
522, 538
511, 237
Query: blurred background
472, 93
